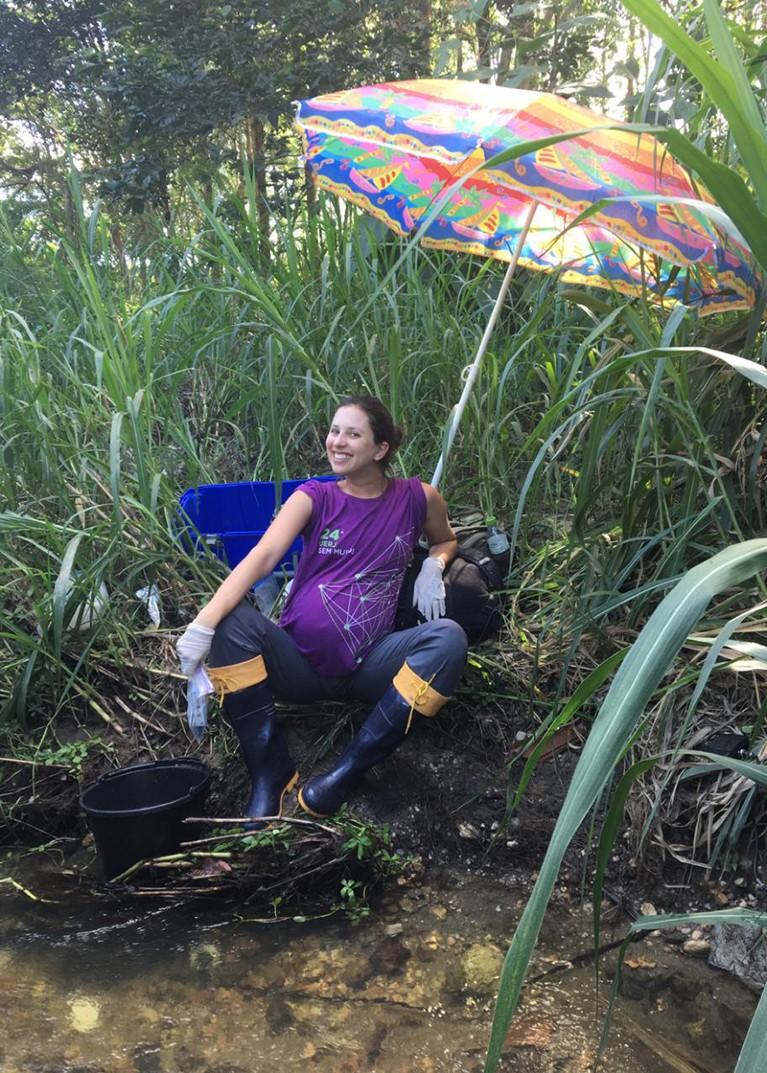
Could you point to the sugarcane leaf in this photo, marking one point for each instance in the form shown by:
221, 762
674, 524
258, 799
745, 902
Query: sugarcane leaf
724, 86
636, 680
729, 58
743, 917
609, 833
753, 1053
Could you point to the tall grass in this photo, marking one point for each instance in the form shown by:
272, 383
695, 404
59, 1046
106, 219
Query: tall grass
614, 730
128, 375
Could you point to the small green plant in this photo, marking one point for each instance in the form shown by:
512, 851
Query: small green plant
374, 843
277, 836
360, 843
321, 869
353, 900
72, 755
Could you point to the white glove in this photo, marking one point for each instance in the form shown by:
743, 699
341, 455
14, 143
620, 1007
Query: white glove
193, 646
429, 589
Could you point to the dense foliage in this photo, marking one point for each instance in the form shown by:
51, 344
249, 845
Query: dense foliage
174, 312
152, 95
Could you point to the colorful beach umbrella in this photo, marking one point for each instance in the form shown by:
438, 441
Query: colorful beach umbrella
415, 155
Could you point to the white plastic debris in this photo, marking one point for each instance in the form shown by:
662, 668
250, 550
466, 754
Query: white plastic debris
88, 611
198, 694
151, 597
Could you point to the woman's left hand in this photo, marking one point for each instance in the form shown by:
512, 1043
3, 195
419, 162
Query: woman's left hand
429, 589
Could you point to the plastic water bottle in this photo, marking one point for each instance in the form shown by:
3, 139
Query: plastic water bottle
497, 541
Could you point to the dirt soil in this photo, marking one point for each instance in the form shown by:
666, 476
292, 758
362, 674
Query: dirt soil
445, 797
444, 794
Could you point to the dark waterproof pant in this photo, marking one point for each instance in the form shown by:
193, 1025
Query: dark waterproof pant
435, 651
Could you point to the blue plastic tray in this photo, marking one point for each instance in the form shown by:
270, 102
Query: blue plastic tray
229, 519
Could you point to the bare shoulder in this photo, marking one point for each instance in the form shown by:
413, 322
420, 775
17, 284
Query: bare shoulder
299, 504
437, 528
433, 498
292, 517
436, 506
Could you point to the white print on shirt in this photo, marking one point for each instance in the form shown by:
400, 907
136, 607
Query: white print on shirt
360, 607
327, 544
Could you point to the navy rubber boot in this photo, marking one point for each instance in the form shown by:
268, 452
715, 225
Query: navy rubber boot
251, 715
378, 737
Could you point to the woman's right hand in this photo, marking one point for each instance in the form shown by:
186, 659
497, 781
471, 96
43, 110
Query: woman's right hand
193, 646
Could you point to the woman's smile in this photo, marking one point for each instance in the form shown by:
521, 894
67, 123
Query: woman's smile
350, 443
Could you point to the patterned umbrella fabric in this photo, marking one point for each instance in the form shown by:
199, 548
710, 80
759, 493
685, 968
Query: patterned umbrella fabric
394, 148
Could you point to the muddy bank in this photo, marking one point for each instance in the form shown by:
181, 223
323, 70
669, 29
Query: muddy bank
444, 796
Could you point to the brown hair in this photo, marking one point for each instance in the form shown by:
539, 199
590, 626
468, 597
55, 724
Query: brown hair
381, 423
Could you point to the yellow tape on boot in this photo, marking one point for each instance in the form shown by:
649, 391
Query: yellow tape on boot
418, 692
238, 676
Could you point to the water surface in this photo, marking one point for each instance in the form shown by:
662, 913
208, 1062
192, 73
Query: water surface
88, 986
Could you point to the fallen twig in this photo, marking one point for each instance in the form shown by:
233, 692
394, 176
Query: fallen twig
295, 821
142, 719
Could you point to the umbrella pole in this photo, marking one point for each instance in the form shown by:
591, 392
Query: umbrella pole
473, 370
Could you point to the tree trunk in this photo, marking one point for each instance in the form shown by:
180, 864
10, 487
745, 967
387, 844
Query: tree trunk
312, 221
484, 31
255, 141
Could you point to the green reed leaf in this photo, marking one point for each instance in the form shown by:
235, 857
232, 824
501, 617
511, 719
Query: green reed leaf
727, 86
637, 678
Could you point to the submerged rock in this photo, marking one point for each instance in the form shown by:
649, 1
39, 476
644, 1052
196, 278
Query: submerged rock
481, 968
84, 1014
741, 951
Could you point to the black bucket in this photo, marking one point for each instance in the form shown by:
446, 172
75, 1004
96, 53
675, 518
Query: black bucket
137, 812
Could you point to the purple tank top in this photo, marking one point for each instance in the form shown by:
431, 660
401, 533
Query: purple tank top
344, 594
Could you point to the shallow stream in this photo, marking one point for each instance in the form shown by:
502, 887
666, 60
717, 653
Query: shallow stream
88, 986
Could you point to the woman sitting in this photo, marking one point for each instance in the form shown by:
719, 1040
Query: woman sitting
335, 639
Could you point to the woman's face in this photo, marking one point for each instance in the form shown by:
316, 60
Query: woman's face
350, 443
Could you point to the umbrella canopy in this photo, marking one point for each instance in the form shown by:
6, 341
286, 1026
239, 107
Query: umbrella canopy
407, 153
393, 148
